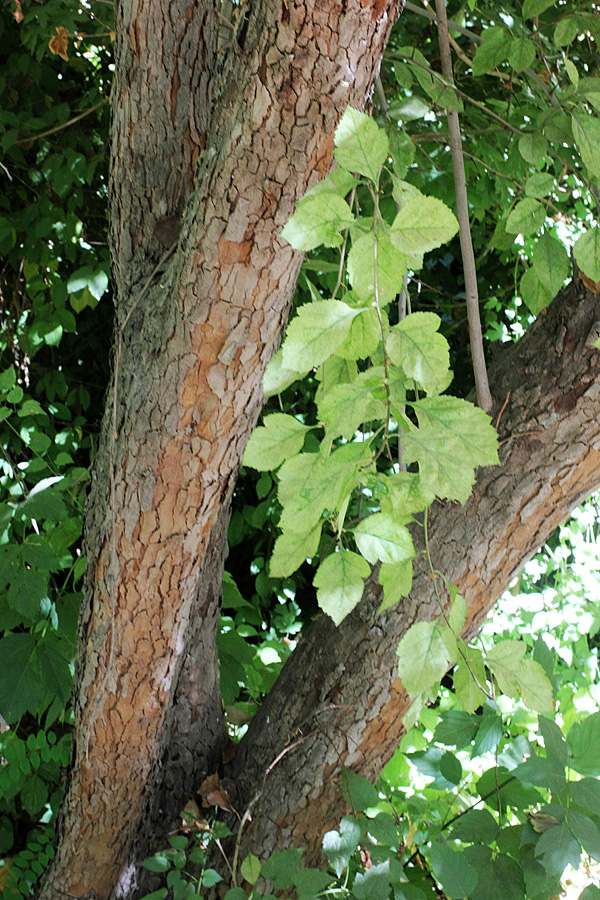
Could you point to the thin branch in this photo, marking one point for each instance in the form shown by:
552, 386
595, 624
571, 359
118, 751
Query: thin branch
484, 397
36, 137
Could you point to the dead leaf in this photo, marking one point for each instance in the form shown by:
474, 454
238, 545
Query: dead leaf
18, 12
59, 43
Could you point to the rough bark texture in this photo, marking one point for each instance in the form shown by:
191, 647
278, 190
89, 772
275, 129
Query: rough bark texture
339, 694
191, 348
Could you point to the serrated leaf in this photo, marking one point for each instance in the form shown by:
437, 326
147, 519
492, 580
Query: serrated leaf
382, 539
405, 494
521, 54
319, 220
534, 294
458, 613
360, 145
277, 439
316, 332
373, 883
556, 849
551, 263
422, 225
416, 345
453, 438
291, 550
396, 581
21, 689
584, 742
391, 267
403, 191
534, 685
587, 253
468, 692
503, 659
344, 407
477, 826
527, 217
566, 31
277, 378
423, 657
586, 832
539, 185
339, 182
364, 336
339, 581
494, 50
340, 846
452, 871
586, 131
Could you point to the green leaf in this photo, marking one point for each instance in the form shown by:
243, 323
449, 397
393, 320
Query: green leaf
554, 742
381, 539
291, 550
468, 692
584, 742
279, 438
586, 832
364, 336
391, 267
396, 581
95, 280
423, 657
452, 871
551, 263
250, 868
532, 8
586, 793
494, 50
557, 849
34, 795
587, 253
455, 728
157, 863
521, 54
416, 345
586, 131
282, 867
533, 148
21, 689
536, 689
422, 225
344, 407
539, 185
589, 89
373, 883
339, 847
452, 439
566, 31
534, 294
476, 827
339, 182
319, 219
277, 378
527, 217
339, 581
316, 332
358, 792
360, 145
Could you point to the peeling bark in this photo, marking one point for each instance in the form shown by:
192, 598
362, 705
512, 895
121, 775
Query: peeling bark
193, 344
339, 692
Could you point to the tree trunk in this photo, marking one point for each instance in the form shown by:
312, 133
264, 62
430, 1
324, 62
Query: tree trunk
338, 700
194, 332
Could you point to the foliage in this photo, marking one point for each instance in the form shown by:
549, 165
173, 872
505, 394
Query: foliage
325, 493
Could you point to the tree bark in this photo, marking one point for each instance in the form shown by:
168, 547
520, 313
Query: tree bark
194, 333
338, 701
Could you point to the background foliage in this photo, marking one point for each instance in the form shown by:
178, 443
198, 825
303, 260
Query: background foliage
529, 96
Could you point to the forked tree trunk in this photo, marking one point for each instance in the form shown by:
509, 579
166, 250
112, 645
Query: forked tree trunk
229, 140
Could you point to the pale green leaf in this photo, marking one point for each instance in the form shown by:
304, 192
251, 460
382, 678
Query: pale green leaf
291, 550
416, 345
319, 219
364, 336
539, 185
535, 687
339, 182
277, 378
452, 439
572, 73
250, 868
422, 225
403, 191
396, 581
586, 131
339, 847
360, 145
527, 217
344, 407
423, 657
504, 659
391, 267
279, 438
339, 581
405, 494
316, 332
587, 253
381, 539
584, 742
466, 675
458, 612
522, 53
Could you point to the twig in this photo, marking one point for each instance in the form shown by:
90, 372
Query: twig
484, 397
36, 137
